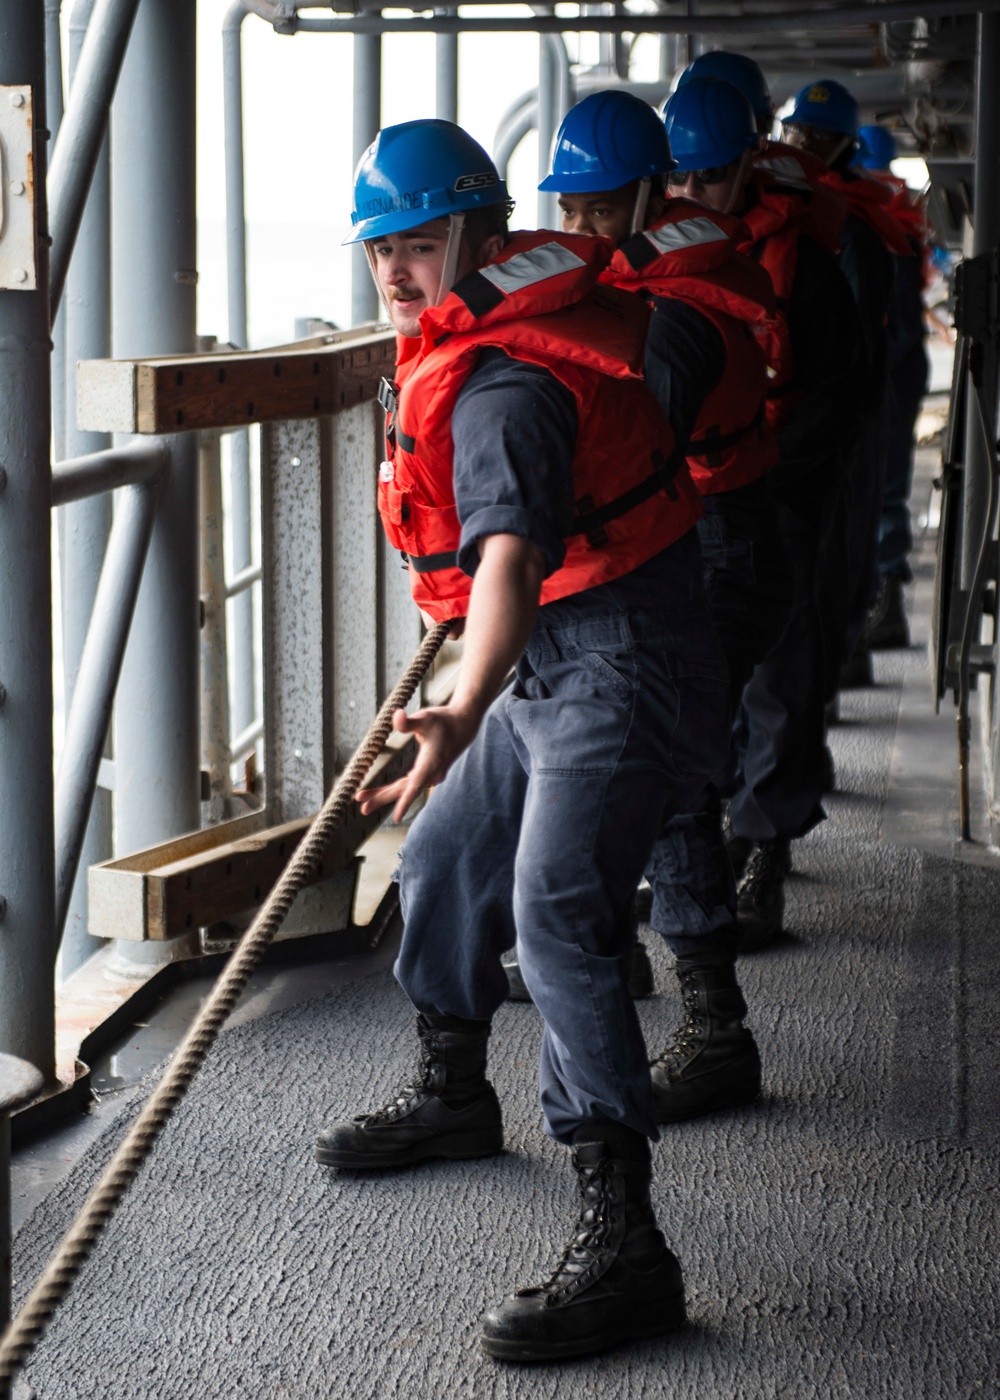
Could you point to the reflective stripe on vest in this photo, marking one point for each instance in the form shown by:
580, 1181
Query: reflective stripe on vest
686, 233
484, 290
786, 169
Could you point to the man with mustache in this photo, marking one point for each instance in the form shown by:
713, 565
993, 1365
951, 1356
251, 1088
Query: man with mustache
536, 490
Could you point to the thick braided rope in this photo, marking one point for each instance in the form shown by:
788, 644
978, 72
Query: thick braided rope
65, 1264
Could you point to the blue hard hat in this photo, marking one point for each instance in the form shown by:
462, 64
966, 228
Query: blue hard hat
418, 171
607, 140
878, 148
709, 123
735, 68
826, 105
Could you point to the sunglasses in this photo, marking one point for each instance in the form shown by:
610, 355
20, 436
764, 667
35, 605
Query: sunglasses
714, 175
814, 134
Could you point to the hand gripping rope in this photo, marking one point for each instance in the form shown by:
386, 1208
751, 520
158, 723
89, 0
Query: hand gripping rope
65, 1264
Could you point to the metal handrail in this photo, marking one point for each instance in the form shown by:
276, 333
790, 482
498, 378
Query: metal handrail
80, 477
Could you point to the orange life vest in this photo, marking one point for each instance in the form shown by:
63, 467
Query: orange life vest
870, 200
910, 212
690, 255
825, 210
539, 301
777, 215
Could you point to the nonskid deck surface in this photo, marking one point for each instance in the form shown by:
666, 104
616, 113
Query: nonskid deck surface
839, 1238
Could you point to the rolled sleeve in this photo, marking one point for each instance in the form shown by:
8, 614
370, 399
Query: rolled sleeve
514, 429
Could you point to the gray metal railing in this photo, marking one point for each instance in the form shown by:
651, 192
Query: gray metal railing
138, 469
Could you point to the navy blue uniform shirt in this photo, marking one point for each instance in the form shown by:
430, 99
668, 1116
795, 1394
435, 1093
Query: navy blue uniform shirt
514, 430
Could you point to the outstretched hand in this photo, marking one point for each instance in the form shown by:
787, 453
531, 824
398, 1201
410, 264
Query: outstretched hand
442, 734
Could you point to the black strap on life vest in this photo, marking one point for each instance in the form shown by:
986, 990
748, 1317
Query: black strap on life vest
590, 519
713, 443
388, 397
428, 563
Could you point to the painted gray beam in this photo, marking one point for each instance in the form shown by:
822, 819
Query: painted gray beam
27, 931
156, 738
367, 121
241, 640
86, 314
800, 21
94, 693
54, 114
446, 75
84, 124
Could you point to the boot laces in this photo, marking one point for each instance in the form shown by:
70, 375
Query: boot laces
766, 864
688, 1034
423, 1082
593, 1230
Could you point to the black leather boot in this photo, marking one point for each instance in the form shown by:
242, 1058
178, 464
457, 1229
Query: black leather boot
640, 973
712, 1061
616, 1278
760, 903
449, 1109
738, 848
887, 625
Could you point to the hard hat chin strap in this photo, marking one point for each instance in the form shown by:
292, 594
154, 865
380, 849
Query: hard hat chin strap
640, 206
456, 224
838, 150
370, 255
745, 161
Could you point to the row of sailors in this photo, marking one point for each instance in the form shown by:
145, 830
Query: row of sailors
641, 463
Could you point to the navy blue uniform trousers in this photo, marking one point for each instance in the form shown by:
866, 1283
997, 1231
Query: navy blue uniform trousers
542, 829
781, 725
748, 581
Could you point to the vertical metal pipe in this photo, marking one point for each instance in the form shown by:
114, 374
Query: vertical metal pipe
548, 123
54, 110
27, 930
157, 784
367, 120
446, 88
695, 43
90, 712
985, 235
215, 724
668, 56
241, 536
87, 311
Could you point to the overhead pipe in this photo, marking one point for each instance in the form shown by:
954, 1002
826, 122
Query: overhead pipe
82, 131
800, 20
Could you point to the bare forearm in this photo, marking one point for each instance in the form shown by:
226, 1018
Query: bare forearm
502, 611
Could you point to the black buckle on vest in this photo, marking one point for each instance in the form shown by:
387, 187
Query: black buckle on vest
712, 444
597, 536
388, 394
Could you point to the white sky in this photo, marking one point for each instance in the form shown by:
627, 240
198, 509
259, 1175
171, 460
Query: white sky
298, 147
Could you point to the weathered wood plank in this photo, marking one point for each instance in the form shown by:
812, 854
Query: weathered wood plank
232, 388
